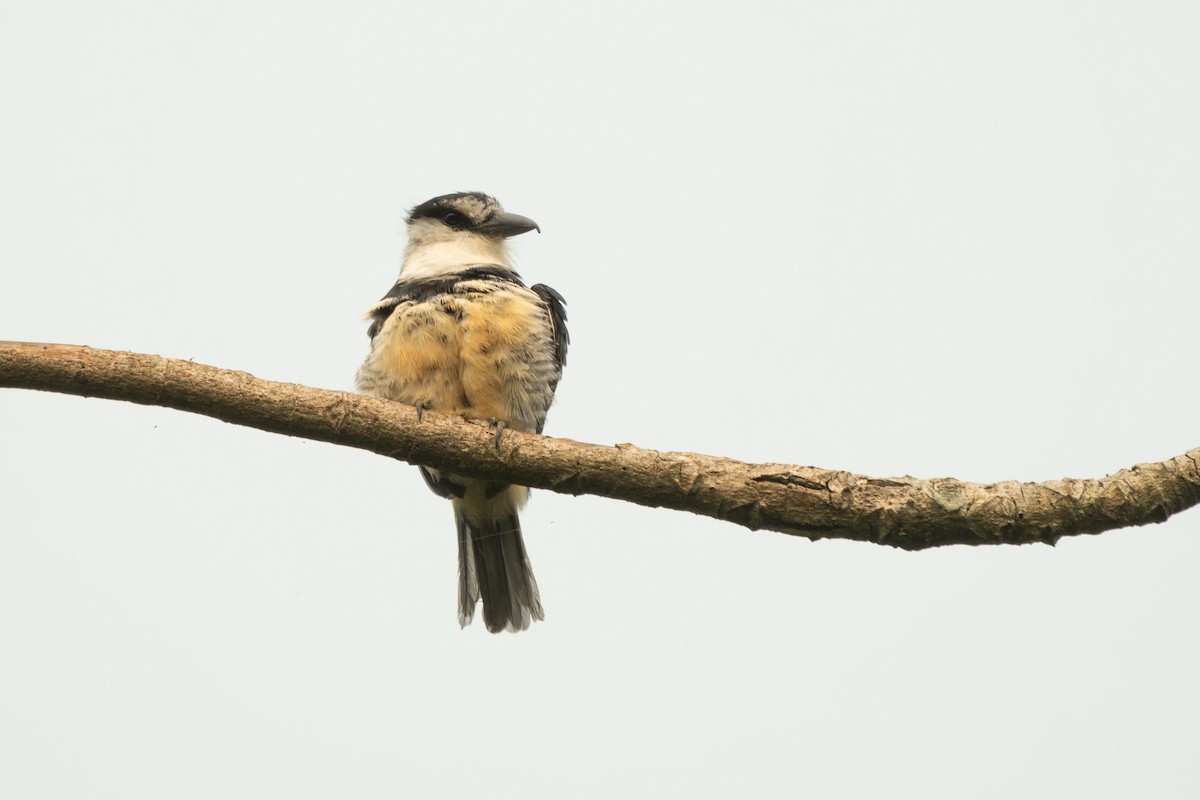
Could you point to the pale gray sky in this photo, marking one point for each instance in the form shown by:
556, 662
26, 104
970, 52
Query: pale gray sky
938, 239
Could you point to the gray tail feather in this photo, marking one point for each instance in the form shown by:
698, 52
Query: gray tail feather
493, 566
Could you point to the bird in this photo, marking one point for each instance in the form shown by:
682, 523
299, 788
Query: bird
461, 333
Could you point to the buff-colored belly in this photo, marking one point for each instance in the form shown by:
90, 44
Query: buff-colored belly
470, 354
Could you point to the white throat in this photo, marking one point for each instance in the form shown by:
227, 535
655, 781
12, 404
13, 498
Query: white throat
425, 259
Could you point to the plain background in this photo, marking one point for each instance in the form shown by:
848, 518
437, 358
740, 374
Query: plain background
937, 239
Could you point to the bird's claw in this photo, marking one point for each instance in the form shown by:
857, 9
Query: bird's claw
422, 407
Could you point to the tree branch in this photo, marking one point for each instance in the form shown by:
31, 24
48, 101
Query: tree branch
804, 501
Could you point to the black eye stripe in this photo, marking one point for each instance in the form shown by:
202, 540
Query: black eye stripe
447, 216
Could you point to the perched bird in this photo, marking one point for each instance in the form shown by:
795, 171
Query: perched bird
460, 333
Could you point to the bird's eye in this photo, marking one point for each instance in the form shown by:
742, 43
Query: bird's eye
452, 218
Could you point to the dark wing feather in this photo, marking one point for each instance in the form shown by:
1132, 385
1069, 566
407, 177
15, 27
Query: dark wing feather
379, 314
441, 485
558, 320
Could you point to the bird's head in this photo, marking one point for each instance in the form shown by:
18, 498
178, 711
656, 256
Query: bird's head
454, 230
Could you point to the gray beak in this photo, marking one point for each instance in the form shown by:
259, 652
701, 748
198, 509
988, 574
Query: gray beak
504, 225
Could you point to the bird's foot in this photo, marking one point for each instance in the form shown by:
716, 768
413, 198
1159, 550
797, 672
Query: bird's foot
422, 407
498, 425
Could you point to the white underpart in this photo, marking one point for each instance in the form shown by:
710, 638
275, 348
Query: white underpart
434, 250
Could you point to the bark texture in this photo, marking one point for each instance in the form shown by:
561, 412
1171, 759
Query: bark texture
906, 512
